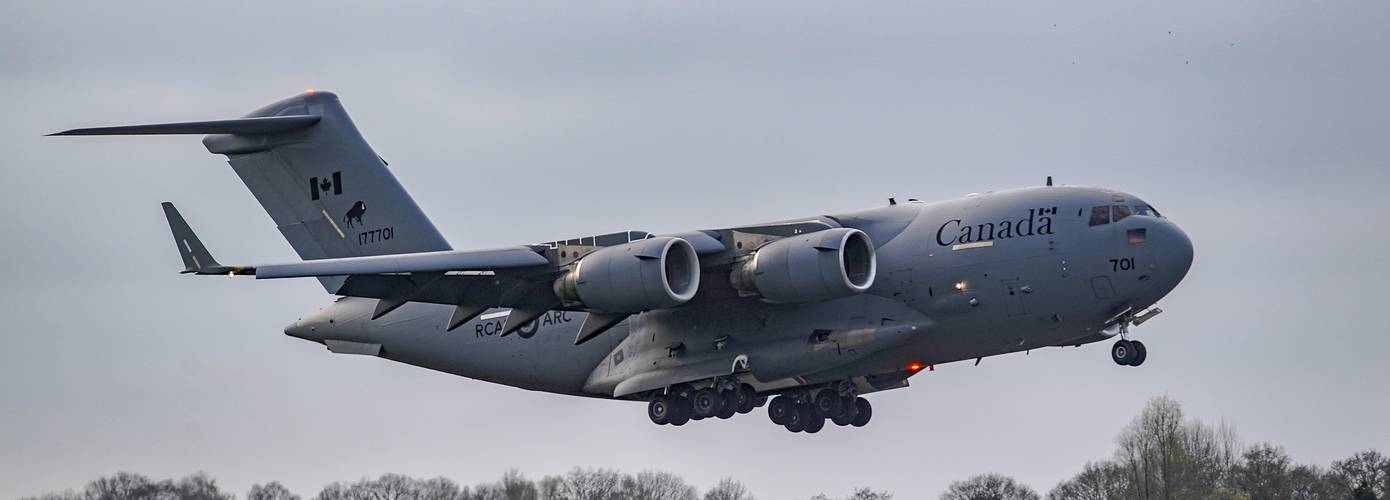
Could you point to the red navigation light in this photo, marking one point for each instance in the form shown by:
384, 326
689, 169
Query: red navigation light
914, 367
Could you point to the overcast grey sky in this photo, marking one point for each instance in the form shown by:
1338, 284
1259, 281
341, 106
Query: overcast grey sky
1259, 126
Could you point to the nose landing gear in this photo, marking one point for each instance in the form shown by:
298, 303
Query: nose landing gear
1128, 352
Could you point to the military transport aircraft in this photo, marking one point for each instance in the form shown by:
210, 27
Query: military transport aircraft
813, 312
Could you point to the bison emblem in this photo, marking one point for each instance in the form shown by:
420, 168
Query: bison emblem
354, 214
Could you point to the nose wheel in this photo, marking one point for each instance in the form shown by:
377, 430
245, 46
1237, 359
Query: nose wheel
1128, 353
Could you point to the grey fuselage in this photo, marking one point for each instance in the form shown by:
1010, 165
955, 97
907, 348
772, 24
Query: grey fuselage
979, 276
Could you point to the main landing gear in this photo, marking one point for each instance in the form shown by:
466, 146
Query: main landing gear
680, 406
802, 412
1128, 352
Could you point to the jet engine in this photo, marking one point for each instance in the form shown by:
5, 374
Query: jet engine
810, 267
633, 277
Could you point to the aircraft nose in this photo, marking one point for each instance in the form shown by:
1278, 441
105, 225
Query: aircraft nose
1176, 253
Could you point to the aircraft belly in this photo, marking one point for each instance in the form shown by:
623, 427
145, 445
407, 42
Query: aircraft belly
539, 357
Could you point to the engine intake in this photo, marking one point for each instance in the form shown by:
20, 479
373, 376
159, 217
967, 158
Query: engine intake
647, 274
811, 267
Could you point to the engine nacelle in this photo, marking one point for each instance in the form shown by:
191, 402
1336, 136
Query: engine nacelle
633, 277
810, 267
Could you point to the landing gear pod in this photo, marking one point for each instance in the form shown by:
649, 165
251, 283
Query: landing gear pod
811, 267
647, 274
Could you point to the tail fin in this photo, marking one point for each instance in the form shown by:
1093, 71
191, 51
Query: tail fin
330, 195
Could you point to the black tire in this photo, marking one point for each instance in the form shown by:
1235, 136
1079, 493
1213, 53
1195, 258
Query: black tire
705, 403
797, 418
729, 407
851, 410
815, 424
661, 410
780, 409
1140, 353
760, 402
1122, 352
827, 404
682, 411
744, 398
866, 412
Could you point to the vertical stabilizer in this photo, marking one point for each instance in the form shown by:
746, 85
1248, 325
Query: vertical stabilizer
329, 194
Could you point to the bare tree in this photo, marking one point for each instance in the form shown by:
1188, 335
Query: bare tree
123, 486
1311, 483
1097, 481
1167, 457
1264, 473
586, 484
1366, 471
989, 487
198, 486
728, 489
860, 494
270, 491
868, 494
392, 487
515, 486
656, 485
66, 495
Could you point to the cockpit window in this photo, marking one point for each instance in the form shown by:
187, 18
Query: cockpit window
1100, 215
1146, 210
1121, 211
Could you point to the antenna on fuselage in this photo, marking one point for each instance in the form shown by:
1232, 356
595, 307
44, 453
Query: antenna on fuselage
1049, 181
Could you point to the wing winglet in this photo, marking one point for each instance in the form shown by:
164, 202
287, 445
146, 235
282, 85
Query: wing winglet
196, 258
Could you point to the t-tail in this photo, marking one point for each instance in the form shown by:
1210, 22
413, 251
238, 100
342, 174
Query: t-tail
330, 195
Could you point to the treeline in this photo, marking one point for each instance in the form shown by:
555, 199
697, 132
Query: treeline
1164, 455
1161, 455
577, 484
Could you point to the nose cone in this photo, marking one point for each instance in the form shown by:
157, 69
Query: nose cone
1174, 254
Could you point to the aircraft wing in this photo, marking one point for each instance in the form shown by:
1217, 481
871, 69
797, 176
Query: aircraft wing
427, 262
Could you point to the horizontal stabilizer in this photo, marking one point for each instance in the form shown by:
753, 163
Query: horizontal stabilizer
243, 126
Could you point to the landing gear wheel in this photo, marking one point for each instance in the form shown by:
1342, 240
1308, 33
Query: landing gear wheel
729, 407
797, 419
705, 403
850, 411
866, 411
1122, 352
743, 398
1140, 353
681, 411
780, 410
815, 424
827, 404
661, 410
